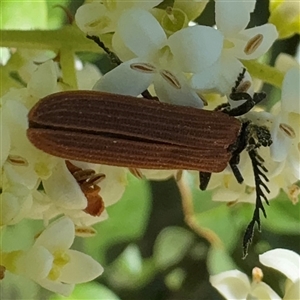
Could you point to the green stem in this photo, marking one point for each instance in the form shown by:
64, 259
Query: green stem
65, 42
264, 72
67, 63
69, 37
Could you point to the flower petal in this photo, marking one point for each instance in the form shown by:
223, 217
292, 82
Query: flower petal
87, 76
63, 189
290, 91
16, 203
231, 68
283, 260
59, 235
81, 268
5, 141
196, 48
207, 79
43, 81
94, 19
64, 289
36, 263
233, 16
263, 291
280, 146
179, 96
267, 33
124, 80
113, 186
141, 32
293, 292
231, 284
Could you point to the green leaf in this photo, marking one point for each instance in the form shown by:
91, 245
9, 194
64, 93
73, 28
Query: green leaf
130, 271
175, 279
171, 246
24, 14
56, 12
127, 220
89, 291
219, 223
282, 216
219, 260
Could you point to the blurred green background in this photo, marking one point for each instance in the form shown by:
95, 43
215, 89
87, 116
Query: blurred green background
145, 247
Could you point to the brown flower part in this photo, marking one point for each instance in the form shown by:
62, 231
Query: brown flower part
88, 180
2, 272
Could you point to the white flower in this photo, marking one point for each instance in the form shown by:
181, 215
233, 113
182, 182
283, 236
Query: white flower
15, 204
288, 263
154, 58
232, 18
102, 17
51, 263
87, 75
5, 142
24, 164
67, 197
236, 285
285, 130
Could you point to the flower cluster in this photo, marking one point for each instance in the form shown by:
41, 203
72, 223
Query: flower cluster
236, 285
180, 63
25, 170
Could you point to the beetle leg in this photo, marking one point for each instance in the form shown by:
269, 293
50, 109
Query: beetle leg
238, 92
204, 178
246, 106
263, 137
236, 172
238, 81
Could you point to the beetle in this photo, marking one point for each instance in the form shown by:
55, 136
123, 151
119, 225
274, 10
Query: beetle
125, 131
118, 130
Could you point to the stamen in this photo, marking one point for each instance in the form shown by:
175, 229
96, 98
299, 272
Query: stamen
169, 12
168, 76
143, 67
243, 87
17, 160
287, 130
253, 44
293, 193
257, 275
54, 273
231, 203
85, 231
100, 23
61, 258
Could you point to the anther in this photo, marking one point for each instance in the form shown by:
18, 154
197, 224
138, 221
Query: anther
170, 78
287, 130
253, 44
